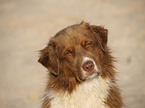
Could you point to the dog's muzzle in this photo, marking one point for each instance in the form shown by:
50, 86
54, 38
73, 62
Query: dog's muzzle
89, 68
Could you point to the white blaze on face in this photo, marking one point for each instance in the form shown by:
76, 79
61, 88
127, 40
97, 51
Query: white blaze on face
92, 73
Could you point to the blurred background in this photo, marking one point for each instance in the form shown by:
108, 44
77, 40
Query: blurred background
27, 25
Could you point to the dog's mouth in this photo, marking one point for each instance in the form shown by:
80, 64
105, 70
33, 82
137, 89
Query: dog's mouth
89, 68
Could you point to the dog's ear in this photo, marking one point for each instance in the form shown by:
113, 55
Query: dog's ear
49, 58
101, 35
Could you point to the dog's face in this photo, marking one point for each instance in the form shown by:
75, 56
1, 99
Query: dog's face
76, 52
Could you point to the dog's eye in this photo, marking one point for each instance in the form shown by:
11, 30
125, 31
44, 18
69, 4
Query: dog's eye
68, 53
88, 44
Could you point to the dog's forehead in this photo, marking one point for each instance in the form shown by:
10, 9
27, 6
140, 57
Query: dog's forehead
72, 36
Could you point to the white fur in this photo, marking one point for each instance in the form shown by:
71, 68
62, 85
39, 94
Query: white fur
90, 94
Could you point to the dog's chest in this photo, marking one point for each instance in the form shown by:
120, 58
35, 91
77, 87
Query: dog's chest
90, 94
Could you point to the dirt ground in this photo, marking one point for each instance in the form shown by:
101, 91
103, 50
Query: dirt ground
27, 25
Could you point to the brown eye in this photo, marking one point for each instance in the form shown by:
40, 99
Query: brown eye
68, 53
88, 44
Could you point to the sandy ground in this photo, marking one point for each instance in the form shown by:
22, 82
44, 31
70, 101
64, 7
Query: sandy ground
27, 25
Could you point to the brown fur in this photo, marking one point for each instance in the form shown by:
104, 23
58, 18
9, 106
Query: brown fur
62, 57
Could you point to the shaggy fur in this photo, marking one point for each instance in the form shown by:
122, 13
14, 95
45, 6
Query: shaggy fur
77, 82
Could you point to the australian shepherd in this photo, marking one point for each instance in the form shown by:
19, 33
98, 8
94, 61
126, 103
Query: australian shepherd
81, 71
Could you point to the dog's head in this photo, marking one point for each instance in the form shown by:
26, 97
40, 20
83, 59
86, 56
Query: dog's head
79, 51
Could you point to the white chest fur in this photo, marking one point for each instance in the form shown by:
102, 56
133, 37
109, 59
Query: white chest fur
90, 94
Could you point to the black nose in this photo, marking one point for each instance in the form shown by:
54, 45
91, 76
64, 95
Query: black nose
88, 66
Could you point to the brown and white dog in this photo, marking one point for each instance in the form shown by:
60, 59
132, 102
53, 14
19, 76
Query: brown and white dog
81, 70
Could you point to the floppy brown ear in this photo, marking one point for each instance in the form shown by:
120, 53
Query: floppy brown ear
103, 35
49, 58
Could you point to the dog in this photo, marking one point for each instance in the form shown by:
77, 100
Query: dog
81, 71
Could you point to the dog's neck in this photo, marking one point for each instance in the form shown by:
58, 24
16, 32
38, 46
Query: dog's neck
89, 94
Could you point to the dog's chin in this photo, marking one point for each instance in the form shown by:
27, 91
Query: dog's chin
93, 75
90, 75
